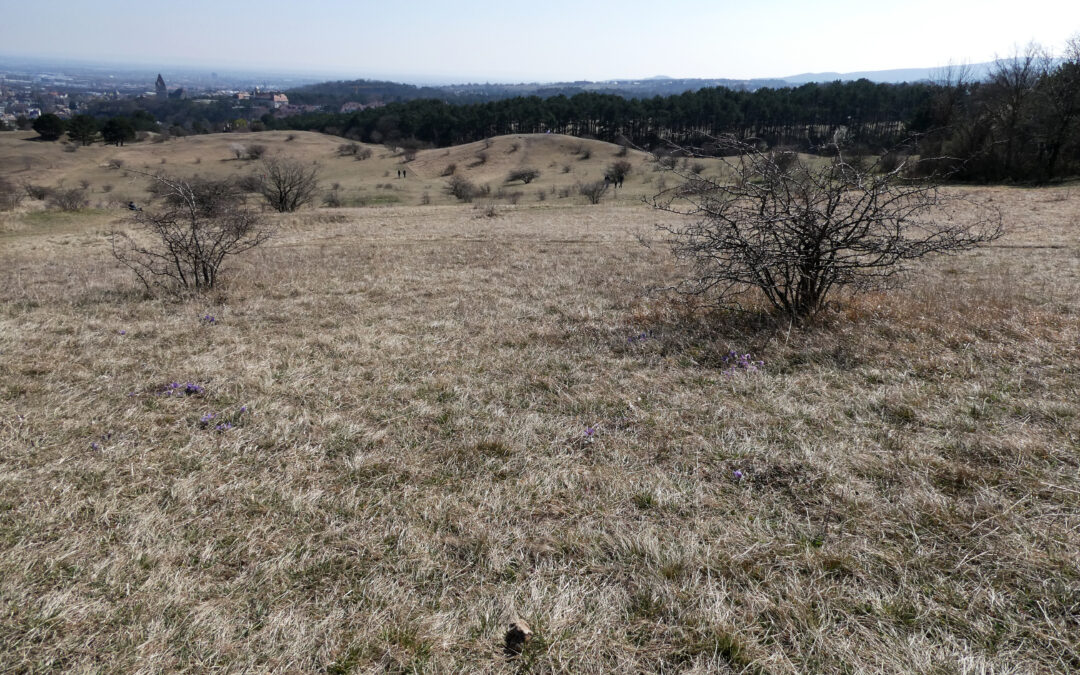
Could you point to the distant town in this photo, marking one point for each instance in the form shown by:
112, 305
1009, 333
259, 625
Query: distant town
27, 93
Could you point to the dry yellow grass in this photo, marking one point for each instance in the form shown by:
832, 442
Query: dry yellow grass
413, 468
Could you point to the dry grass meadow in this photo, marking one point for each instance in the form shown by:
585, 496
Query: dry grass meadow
443, 420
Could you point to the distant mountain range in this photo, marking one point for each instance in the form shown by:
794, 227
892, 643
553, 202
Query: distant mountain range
975, 71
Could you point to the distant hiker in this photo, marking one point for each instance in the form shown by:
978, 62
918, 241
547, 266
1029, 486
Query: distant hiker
399, 173
403, 173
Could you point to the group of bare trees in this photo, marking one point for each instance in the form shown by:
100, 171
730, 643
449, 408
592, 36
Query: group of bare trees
1020, 123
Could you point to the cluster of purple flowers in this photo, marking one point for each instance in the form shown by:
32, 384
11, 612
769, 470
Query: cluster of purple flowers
590, 432
225, 423
637, 338
182, 389
208, 319
741, 362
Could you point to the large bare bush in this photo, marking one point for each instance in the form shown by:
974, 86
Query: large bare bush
183, 245
288, 184
797, 234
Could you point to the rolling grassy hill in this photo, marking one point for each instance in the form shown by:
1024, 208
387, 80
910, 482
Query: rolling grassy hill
410, 424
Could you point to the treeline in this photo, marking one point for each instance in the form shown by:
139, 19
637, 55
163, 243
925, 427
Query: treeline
809, 115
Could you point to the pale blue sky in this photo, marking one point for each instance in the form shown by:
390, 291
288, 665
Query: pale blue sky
470, 40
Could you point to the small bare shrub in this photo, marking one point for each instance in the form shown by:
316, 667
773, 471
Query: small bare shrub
333, 200
481, 159
348, 149
114, 163
617, 171
84, 184
290, 137
425, 199
525, 175
10, 195
67, 200
35, 192
449, 170
256, 151
514, 147
462, 189
107, 188
593, 191
585, 154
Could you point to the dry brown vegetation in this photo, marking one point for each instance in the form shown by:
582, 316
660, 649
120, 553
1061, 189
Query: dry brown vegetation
452, 421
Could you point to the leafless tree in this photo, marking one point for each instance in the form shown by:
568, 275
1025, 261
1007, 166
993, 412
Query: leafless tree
288, 184
182, 246
797, 234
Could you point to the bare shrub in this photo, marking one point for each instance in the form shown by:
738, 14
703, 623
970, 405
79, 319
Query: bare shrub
796, 235
623, 151
784, 159
481, 159
84, 184
290, 137
449, 170
514, 197
364, 153
237, 150
10, 195
541, 196
566, 168
564, 192
617, 171
71, 199
114, 163
525, 175
514, 147
585, 154
287, 184
183, 247
333, 200
107, 188
593, 191
348, 149
251, 184
462, 189
256, 151
425, 199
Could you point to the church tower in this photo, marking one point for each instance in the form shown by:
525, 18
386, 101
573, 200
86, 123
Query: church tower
162, 90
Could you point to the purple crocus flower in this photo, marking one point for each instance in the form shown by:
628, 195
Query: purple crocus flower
738, 474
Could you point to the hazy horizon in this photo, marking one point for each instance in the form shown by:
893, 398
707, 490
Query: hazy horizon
429, 43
